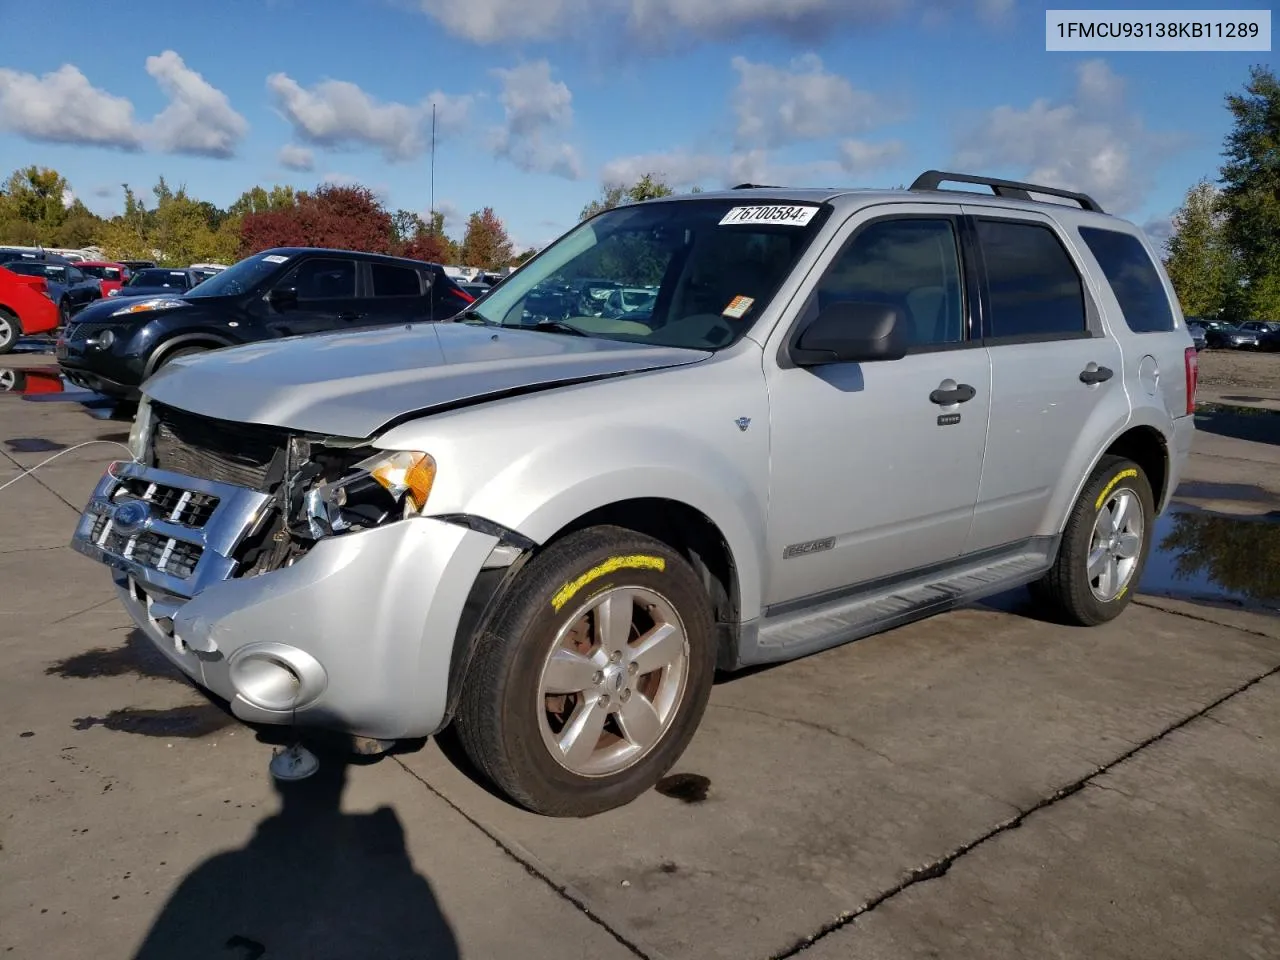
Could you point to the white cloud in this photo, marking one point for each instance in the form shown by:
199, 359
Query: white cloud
859, 156
538, 109
653, 22
199, 120
68, 197
294, 157
336, 113
1090, 142
804, 101
63, 107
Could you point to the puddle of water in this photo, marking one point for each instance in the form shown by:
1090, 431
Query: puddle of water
33, 445
1208, 490
185, 722
1209, 557
1230, 410
685, 787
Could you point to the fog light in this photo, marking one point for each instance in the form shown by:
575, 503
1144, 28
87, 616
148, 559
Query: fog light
275, 676
102, 341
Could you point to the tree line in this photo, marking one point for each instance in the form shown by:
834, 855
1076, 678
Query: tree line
1224, 253
37, 208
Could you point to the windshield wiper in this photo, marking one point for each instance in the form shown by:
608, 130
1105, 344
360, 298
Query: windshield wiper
559, 326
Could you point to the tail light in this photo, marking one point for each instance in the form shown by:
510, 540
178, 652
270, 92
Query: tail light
1193, 378
466, 297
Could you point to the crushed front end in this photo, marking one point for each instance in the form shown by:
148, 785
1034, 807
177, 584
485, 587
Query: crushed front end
292, 575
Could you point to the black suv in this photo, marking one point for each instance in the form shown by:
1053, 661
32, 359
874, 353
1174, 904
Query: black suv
116, 344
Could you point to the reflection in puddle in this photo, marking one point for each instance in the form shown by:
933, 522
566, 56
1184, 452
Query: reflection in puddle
1210, 557
47, 385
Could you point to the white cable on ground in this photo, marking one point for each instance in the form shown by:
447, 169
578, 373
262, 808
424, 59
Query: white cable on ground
87, 443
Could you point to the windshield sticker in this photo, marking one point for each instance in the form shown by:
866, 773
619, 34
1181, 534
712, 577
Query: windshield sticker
792, 216
276, 258
738, 307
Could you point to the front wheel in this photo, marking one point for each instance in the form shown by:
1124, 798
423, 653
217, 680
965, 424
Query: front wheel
594, 676
1104, 546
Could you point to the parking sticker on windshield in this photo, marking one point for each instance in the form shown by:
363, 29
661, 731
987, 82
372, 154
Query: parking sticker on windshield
786, 216
275, 258
738, 307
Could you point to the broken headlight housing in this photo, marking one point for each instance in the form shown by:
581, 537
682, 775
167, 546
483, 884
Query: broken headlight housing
388, 486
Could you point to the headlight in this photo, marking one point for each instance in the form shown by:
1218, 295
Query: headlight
388, 486
146, 306
140, 432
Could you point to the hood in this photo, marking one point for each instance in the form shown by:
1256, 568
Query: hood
354, 383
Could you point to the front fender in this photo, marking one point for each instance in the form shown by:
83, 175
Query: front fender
541, 495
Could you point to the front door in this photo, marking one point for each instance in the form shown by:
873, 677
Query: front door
1057, 385
317, 295
875, 466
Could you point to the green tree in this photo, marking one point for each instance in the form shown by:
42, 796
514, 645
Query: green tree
485, 244
407, 225
260, 200
524, 257
33, 207
1200, 261
648, 187
1251, 190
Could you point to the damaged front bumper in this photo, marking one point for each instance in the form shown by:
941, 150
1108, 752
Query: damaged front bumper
355, 636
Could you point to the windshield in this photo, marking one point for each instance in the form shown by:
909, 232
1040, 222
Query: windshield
102, 273
242, 277
160, 278
692, 273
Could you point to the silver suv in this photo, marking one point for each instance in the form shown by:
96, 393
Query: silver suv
842, 411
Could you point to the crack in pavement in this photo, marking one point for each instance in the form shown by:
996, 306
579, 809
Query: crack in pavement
30, 473
1217, 623
939, 867
560, 890
838, 734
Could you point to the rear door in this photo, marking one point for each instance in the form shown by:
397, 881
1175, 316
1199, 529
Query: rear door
1057, 385
319, 294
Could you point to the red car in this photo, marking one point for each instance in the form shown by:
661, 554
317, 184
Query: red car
111, 275
25, 308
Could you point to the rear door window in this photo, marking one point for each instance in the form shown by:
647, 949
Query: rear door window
1034, 291
394, 281
1133, 279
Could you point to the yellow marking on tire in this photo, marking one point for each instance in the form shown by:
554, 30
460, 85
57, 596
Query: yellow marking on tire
635, 561
1106, 492
1123, 591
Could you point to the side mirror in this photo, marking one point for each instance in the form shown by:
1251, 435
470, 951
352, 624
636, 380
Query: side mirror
282, 298
852, 332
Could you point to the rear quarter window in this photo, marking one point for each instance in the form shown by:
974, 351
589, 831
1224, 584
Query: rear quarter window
1133, 279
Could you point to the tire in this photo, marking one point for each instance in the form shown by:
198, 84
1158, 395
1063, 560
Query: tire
516, 706
10, 331
1067, 590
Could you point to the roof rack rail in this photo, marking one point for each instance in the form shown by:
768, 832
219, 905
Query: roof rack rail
755, 186
1014, 189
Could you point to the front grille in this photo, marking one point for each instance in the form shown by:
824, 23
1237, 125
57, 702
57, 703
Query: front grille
197, 446
69, 333
188, 536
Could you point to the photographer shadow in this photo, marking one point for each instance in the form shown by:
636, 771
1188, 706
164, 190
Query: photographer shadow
313, 883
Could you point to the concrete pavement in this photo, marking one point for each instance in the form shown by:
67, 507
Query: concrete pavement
981, 784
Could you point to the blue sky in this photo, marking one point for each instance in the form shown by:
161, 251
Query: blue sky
540, 101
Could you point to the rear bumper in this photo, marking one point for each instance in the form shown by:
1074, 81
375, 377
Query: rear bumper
1184, 432
365, 623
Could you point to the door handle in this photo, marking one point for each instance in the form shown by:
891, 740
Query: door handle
348, 315
949, 392
1093, 374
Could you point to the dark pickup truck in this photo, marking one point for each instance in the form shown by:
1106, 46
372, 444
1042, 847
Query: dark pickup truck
116, 344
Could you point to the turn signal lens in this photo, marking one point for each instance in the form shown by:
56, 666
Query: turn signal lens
407, 474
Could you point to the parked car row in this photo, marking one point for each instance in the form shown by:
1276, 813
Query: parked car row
1250, 335
162, 314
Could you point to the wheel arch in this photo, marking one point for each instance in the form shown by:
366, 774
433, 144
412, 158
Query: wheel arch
166, 347
1141, 439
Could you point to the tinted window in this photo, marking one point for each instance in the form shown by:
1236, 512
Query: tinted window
1034, 287
324, 279
389, 281
913, 265
1133, 278
160, 278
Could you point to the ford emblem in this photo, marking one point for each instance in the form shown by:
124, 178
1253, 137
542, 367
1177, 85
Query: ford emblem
130, 517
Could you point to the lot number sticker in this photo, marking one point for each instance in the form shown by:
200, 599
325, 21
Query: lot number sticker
792, 216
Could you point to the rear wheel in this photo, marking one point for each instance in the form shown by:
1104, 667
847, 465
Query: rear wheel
1104, 546
10, 330
593, 678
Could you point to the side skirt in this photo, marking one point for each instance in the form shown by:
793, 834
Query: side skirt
801, 627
